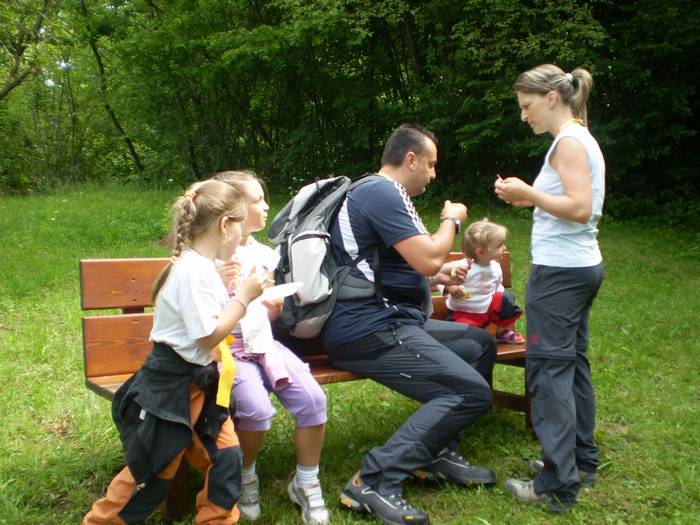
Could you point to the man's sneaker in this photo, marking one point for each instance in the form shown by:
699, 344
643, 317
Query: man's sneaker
588, 479
249, 502
310, 499
524, 492
390, 509
450, 466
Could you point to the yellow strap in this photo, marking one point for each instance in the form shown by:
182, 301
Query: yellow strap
227, 373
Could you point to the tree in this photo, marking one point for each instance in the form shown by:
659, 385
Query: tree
21, 36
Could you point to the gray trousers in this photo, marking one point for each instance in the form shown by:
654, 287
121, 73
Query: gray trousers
558, 304
446, 366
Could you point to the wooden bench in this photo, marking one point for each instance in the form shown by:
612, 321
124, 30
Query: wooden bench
115, 344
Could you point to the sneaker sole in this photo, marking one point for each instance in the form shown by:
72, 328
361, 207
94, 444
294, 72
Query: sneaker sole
429, 477
352, 504
254, 516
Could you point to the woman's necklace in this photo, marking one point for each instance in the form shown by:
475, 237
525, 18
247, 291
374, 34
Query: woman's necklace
570, 122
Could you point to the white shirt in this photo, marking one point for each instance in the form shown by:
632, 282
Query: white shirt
482, 283
254, 329
560, 242
188, 306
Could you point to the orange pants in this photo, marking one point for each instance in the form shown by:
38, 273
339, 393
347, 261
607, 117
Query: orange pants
109, 510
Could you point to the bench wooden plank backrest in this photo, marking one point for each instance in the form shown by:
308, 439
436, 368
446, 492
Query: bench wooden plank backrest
114, 346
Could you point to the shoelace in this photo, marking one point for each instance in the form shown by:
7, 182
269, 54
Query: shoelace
401, 503
457, 456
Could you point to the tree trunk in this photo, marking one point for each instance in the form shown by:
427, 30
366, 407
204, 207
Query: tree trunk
92, 42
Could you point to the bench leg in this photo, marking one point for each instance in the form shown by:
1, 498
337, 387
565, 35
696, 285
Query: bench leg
176, 503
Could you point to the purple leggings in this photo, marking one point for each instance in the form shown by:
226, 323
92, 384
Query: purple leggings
304, 397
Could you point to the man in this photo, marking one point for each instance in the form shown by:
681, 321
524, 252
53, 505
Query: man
446, 366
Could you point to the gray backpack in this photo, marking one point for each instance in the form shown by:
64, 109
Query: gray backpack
301, 229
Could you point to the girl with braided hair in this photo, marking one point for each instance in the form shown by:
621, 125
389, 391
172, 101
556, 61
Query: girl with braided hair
481, 299
177, 404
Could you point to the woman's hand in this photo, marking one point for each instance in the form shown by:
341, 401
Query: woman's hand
513, 191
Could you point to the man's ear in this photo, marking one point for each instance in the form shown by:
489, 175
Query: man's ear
411, 160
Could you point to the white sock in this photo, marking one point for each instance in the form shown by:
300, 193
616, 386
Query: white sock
248, 473
306, 475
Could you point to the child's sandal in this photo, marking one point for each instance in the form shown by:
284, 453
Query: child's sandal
510, 337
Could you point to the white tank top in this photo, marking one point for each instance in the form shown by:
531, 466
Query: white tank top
560, 242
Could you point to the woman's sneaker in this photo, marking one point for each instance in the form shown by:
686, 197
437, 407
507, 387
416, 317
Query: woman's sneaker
249, 502
310, 499
588, 479
391, 509
524, 492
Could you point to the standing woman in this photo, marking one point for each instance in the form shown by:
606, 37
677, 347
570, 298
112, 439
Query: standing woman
567, 271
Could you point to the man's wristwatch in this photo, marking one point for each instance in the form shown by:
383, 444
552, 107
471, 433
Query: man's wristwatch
458, 225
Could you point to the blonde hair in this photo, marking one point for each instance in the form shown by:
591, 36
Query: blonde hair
238, 178
482, 234
192, 213
574, 88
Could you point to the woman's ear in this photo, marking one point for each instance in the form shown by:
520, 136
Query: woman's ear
552, 98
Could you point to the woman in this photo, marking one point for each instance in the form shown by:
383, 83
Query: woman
567, 271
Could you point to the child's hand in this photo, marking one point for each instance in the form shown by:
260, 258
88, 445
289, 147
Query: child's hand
229, 272
274, 308
253, 286
457, 291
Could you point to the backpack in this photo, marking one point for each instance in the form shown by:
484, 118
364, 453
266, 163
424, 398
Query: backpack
301, 230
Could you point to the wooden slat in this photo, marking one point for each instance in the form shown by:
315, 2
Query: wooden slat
118, 283
106, 386
115, 344
326, 373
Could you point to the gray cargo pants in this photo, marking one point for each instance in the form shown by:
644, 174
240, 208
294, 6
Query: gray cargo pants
558, 303
446, 366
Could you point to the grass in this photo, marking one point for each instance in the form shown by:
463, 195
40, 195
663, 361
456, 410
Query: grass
59, 448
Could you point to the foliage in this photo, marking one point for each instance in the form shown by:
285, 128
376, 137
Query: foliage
296, 90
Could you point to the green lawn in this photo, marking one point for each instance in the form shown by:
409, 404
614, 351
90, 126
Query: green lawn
59, 448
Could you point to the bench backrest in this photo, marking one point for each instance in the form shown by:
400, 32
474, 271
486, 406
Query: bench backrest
115, 345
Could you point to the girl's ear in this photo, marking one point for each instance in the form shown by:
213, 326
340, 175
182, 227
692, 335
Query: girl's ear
222, 224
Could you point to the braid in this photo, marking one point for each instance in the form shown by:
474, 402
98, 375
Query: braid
194, 212
184, 216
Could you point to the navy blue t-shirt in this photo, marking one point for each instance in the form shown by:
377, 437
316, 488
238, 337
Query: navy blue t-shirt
377, 213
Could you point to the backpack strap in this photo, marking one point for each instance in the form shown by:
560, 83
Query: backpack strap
370, 250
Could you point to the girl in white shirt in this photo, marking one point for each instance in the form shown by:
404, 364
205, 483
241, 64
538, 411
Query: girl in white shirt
266, 366
158, 409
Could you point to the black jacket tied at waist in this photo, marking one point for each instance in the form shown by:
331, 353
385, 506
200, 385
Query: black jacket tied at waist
152, 411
